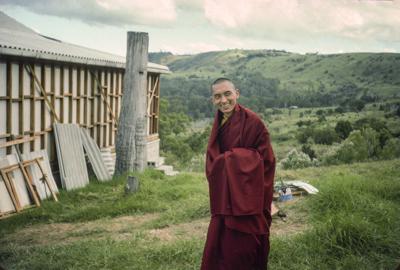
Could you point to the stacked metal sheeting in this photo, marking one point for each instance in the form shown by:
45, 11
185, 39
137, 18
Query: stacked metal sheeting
95, 157
71, 158
37, 176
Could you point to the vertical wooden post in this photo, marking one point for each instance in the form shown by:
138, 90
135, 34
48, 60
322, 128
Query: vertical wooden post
43, 108
78, 96
131, 135
33, 109
21, 104
61, 94
9, 103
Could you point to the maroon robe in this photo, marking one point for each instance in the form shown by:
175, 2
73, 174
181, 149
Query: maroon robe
240, 168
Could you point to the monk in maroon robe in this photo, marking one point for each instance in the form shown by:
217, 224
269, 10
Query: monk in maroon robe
240, 167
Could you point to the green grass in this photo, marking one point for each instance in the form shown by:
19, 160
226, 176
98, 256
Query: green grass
355, 219
353, 223
158, 193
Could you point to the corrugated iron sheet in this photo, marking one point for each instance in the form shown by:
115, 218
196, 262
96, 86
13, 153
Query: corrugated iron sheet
95, 158
71, 158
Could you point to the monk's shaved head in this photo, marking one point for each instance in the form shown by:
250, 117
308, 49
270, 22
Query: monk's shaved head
221, 80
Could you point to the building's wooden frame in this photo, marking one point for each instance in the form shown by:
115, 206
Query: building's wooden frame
56, 91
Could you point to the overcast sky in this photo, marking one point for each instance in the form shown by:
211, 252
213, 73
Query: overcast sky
192, 26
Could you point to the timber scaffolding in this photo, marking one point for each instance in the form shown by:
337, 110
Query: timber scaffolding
45, 81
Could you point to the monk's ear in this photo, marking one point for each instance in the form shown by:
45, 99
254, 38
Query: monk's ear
237, 92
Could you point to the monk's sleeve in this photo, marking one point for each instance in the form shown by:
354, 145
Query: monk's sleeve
264, 147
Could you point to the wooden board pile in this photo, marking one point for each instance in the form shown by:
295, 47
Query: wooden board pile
26, 179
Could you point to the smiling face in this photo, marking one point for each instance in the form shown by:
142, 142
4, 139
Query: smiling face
224, 97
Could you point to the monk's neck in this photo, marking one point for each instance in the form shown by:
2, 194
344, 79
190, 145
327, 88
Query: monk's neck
227, 115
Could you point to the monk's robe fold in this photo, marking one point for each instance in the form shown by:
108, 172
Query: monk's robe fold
236, 184
243, 132
240, 167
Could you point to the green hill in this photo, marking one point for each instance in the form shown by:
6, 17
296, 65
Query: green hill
273, 78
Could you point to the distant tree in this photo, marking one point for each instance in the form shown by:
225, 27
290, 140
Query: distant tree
343, 128
325, 136
340, 109
391, 149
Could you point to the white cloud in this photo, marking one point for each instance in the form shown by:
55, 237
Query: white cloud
294, 19
390, 50
107, 12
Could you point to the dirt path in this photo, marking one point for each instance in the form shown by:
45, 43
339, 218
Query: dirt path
125, 227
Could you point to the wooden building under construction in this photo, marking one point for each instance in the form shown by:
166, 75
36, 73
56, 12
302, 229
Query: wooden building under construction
45, 81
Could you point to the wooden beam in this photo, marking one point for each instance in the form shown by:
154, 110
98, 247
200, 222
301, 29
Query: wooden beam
104, 96
111, 94
32, 104
78, 95
70, 94
11, 190
92, 103
46, 179
9, 101
21, 105
61, 94
43, 105
86, 100
52, 152
98, 116
105, 114
31, 71
152, 93
16, 142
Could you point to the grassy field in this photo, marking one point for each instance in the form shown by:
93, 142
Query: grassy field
353, 223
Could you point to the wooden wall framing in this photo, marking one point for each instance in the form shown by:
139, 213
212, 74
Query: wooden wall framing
153, 104
86, 95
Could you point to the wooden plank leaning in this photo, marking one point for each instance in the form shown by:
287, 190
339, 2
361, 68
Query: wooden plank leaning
45, 176
5, 172
11, 191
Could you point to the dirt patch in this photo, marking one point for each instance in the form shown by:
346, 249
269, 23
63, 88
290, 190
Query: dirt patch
126, 227
295, 220
119, 228
196, 229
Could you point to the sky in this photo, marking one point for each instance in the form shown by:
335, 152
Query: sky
194, 26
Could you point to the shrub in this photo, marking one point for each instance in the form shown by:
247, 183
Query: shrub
340, 109
325, 136
296, 160
343, 128
391, 149
306, 148
304, 135
359, 146
303, 123
372, 122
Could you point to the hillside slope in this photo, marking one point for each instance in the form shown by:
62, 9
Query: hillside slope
279, 78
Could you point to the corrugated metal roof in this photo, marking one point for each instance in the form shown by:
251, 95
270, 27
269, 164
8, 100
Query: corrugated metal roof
18, 40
